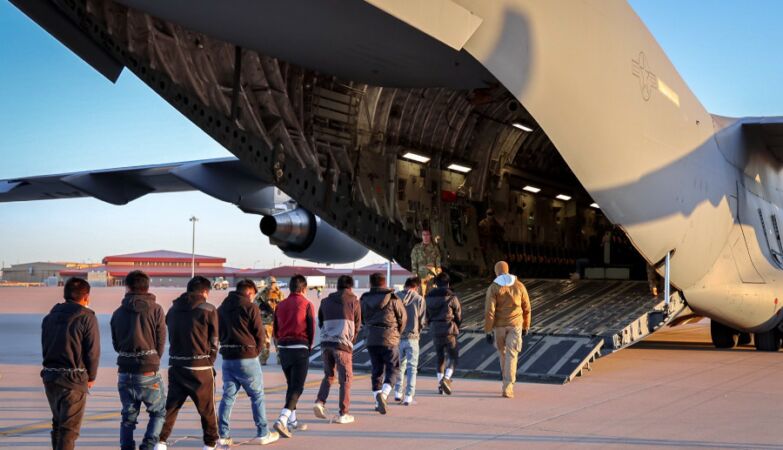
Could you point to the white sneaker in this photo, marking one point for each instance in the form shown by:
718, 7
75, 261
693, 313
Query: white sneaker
227, 442
161, 446
268, 438
345, 418
319, 409
207, 447
297, 426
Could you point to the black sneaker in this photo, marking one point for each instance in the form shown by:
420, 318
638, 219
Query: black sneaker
440, 388
380, 403
446, 385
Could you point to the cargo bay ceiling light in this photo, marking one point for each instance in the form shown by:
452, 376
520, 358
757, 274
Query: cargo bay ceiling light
532, 189
563, 197
459, 168
522, 126
416, 157
594, 205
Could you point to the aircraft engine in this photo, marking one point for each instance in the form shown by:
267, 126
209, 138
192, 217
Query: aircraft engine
302, 235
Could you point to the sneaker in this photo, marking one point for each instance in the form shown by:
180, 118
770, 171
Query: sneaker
228, 442
319, 409
380, 403
297, 426
208, 447
398, 397
345, 418
268, 438
440, 388
445, 384
281, 428
161, 446
408, 400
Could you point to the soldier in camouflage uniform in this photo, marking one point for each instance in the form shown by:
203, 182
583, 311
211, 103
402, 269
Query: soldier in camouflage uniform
425, 260
267, 301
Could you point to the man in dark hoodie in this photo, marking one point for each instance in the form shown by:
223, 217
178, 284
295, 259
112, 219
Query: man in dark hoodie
193, 347
138, 334
384, 318
294, 330
444, 314
242, 336
339, 318
416, 310
71, 348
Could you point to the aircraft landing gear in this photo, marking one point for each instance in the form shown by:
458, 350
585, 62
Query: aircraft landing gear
723, 336
768, 341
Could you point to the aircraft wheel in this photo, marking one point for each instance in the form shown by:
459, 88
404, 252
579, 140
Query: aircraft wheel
723, 336
744, 339
768, 342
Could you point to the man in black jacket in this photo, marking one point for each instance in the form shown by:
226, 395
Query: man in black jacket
70, 343
242, 337
138, 333
193, 347
384, 317
444, 314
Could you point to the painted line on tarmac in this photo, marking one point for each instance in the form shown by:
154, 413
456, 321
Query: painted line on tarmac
46, 425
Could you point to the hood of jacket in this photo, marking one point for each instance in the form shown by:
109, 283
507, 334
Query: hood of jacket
378, 298
138, 302
188, 301
337, 296
234, 301
505, 280
67, 310
439, 297
407, 296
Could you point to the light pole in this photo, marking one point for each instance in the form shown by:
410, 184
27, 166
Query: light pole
193, 219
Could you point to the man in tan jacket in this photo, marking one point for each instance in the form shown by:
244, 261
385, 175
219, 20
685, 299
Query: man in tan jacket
507, 313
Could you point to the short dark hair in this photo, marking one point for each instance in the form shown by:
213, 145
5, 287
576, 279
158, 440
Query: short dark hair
246, 284
345, 282
412, 282
297, 283
377, 279
76, 289
137, 281
442, 279
199, 283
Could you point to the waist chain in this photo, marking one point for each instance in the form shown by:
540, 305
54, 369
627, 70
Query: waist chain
137, 354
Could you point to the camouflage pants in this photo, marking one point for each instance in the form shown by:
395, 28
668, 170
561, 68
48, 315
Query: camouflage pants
264, 356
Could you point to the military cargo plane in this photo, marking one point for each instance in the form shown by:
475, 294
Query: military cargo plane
377, 118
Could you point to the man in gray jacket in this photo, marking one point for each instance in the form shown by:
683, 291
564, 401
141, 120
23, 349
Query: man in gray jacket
384, 318
416, 310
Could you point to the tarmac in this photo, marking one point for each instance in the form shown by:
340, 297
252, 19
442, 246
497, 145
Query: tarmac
672, 390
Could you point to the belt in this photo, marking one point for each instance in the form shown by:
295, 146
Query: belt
63, 369
137, 354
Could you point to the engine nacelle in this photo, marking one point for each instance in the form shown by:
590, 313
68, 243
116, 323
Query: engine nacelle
302, 235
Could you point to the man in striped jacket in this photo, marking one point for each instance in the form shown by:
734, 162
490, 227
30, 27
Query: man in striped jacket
339, 318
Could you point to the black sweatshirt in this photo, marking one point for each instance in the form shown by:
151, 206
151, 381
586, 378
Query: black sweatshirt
242, 334
71, 346
193, 331
138, 333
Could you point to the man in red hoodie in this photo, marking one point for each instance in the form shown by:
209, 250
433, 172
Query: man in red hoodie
294, 330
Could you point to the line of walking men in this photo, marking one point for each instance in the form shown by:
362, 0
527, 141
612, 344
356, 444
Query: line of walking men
197, 331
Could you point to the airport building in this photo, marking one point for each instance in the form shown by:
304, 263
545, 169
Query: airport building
39, 272
165, 268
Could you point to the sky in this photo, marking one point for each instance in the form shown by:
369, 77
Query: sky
58, 115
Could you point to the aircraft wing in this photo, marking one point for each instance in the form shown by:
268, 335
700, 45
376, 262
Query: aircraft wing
223, 178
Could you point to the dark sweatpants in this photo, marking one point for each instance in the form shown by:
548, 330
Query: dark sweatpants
446, 345
67, 407
294, 362
385, 365
343, 362
199, 385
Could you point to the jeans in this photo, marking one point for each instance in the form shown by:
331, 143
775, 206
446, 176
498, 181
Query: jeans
294, 362
247, 374
67, 407
409, 366
136, 389
385, 365
446, 345
342, 361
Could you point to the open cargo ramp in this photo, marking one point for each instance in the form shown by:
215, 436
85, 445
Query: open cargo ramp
574, 323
